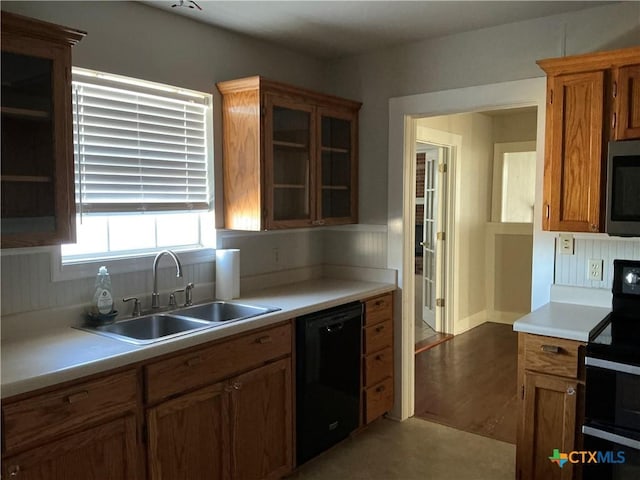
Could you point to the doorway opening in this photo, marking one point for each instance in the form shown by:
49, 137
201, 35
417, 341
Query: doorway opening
403, 111
490, 257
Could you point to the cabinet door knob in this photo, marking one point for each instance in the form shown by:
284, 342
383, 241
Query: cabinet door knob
237, 385
571, 391
380, 328
265, 339
380, 389
14, 470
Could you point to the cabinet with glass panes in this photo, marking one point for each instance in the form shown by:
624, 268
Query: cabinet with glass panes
37, 143
289, 156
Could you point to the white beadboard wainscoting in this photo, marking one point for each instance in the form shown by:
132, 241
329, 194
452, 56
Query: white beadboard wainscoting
27, 285
571, 270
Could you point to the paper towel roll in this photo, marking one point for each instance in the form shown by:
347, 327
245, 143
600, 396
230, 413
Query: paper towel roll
227, 274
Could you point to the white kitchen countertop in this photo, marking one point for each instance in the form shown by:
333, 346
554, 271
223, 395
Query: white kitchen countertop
64, 354
562, 320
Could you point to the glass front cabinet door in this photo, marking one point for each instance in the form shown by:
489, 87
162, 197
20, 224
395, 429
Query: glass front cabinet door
37, 153
290, 156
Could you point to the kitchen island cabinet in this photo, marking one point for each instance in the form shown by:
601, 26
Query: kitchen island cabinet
38, 201
289, 156
591, 99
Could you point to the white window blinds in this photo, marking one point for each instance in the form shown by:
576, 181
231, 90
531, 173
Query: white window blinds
138, 151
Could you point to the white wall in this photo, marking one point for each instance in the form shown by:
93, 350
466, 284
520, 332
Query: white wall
479, 57
133, 39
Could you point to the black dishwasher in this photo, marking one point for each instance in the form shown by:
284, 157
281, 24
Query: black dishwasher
327, 378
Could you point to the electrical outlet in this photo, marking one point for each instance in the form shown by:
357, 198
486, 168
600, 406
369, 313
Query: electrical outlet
566, 244
594, 269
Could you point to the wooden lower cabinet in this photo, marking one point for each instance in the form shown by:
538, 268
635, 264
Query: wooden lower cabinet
105, 452
550, 423
377, 358
261, 416
550, 386
237, 429
188, 437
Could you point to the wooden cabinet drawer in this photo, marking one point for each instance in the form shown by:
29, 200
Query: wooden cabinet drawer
378, 399
377, 337
554, 356
378, 366
378, 309
201, 367
42, 416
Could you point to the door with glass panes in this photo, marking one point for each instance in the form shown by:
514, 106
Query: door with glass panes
289, 154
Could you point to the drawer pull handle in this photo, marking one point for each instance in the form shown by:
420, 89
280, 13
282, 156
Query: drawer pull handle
77, 397
380, 328
550, 348
265, 339
192, 362
379, 303
380, 389
571, 391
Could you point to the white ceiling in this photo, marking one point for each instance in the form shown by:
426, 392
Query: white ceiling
332, 29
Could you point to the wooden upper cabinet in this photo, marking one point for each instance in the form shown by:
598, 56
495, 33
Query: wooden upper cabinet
290, 156
573, 178
627, 96
591, 99
38, 201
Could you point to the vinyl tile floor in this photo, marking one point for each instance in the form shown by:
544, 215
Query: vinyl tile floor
413, 450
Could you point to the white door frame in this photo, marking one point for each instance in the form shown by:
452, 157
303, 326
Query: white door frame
401, 210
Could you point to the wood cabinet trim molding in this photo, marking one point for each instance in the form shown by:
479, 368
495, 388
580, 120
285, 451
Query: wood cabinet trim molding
20, 25
590, 61
258, 82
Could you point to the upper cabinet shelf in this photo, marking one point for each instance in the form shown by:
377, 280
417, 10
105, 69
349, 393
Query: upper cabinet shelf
290, 156
38, 201
591, 99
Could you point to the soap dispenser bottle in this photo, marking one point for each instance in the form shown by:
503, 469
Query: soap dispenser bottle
103, 298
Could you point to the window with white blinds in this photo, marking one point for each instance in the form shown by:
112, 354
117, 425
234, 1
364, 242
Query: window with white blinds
138, 146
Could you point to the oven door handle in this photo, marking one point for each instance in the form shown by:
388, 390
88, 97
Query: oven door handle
611, 437
609, 365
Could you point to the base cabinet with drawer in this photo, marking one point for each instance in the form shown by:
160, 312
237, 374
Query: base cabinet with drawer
235, 428
377, 358
550, 385
84, 430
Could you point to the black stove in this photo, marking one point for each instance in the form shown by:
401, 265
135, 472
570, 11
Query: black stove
617, 337
612, 387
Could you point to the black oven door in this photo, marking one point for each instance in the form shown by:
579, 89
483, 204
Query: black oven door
613, 393
614, 454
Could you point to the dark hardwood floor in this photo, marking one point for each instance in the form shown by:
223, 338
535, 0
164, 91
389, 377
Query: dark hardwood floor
469, 382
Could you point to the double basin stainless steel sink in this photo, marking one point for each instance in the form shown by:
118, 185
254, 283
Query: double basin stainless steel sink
162, 326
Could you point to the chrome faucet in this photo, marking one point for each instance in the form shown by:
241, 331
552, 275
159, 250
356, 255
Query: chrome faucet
155, 296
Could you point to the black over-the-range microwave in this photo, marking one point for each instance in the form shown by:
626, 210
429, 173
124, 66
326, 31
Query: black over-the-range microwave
623, 188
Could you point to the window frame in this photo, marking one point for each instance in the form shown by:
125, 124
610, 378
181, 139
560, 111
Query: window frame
135, 261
